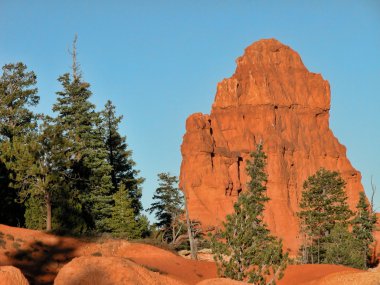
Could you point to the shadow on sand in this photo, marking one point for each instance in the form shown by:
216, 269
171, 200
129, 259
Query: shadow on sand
41, 262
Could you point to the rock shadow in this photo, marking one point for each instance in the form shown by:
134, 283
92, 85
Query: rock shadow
40, 262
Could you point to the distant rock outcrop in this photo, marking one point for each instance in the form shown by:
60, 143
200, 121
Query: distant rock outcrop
271, 98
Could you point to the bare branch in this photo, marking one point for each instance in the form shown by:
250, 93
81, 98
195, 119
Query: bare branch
373, 188
75, 65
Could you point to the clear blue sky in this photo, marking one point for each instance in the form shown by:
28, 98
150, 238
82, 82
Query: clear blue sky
160, 61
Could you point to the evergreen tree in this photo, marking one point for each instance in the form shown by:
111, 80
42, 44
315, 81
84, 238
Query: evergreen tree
17, 95
342, 248
120, 157
35, 212
168, 206
246, 249
87, 173
123, 221
323, 205
36, 159
363, 226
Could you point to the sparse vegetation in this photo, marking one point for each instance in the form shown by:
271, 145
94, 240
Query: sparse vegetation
3, 243
98, 253
154, 269
10, 237
168, 209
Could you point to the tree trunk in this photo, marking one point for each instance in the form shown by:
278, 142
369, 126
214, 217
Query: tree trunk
48, 211
193, 248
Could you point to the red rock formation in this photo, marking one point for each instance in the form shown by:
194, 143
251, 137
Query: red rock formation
10, 275
272, 98
90, 270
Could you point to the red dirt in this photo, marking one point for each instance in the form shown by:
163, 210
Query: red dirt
91, 270
299, 274
40, 256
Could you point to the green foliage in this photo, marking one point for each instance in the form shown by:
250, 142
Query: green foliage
342, 248
123, 221
245, 250
64, 171
323, 205
87, 172
363, 226
11, 212
120, 157
17, 93
35, 213
168, 207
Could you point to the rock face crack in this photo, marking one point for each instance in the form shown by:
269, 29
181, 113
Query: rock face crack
274, 99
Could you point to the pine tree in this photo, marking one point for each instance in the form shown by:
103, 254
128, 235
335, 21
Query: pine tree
323, 205
17, 95
120, 157
36, 164
168, 206
246, 250
35, 213
342, 248
123, 219
87, 173
363, 226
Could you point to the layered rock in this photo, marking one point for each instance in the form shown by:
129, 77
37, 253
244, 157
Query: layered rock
271, 98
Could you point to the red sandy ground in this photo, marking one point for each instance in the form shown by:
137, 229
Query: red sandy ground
40, 256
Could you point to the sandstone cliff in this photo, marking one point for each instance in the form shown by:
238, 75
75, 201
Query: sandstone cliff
272, 98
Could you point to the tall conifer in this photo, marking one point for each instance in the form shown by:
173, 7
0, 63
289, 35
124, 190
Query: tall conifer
246, 249
87, 170
363, 227
168, 207
120, 157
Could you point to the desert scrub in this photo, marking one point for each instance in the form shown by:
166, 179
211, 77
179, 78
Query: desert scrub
10, 237
2, 243
154, 269
16, 245
97, 254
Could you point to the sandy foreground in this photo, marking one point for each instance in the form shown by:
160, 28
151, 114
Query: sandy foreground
41, 256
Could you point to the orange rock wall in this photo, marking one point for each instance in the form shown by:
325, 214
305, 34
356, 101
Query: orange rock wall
271, 98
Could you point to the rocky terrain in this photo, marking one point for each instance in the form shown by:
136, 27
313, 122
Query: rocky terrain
48, 259
271, 98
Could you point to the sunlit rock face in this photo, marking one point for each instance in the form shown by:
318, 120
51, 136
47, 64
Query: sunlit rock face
271, 98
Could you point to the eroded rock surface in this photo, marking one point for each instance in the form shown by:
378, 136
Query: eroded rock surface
90, 270
271, 98
10, 275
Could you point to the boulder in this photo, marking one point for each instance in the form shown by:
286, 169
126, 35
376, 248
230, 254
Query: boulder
91, 270
10, 275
